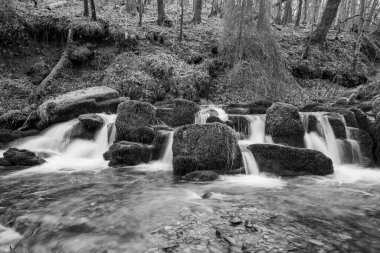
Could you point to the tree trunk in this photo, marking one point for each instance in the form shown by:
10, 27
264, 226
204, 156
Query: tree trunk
85, 8
62, 63
263, 18
140, 12
299, 12
316, 6
305, 7
93, 10
240, 31
197, 12
214, 8
130, 6
278, 13
161, 12
370, 16
359, 38
329, 13
181, 23
288, 12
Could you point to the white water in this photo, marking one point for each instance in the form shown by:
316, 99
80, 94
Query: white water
328, 144
206, 111
65, 155
167, 154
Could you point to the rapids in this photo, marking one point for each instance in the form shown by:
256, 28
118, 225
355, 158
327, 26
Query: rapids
75, 203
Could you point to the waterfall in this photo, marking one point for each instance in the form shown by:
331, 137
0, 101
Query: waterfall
250, 165
63, 154
324, 140
209, 110
167, 152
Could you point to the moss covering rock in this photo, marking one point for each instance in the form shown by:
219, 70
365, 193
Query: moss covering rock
290, 161
205, 147
134, 120
283, 123
184, 112
129, 154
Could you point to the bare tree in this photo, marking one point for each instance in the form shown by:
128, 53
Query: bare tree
305, 7
263, 18
299, 12
161, 12
359, 38
287, 18
370, 16
197, 12
140, 12
329, 13
93, 10
85, 8
181, 23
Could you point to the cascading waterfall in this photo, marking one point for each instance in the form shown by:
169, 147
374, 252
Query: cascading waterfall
207, 111
324, 140
167, 152
63, 154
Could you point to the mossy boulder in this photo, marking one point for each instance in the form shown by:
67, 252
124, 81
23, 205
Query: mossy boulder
22, 157
364, 123
283, 123
338, 127
184, 112
87, 127
290, 161
134, 120
206, 147
128, 154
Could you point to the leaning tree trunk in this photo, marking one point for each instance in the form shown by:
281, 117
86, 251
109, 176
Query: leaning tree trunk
161, 12
299, 12
359, 38
197, 12
329, 13
85, 8
93, 11
62, 63
288, 12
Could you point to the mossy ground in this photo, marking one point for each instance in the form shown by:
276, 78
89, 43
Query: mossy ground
157, 69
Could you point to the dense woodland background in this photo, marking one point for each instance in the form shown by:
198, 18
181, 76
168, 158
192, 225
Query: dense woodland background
222, 51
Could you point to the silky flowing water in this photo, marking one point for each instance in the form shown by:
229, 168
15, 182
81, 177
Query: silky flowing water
75, 203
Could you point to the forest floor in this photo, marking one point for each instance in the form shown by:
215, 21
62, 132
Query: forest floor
161, 67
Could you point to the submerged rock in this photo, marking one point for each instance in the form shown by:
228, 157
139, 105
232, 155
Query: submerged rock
134, 121
22, 157
283, 123
201, 176
291, 161
184, 112
129, 153
72, 104
205, 147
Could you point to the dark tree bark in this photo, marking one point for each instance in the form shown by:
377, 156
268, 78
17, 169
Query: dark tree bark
161, 12
263, 18
140, 12
329, 13
85, 8
278, 14
305, 8
288, 12
181, 23
93, 11
299, 12
197, 12
214, 8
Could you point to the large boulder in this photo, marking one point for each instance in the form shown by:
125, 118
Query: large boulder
165, 115
289, 161
283, 123
87, 127
129, 154
338, 127
22, 157
240, 123
72, 104
184, 112
363, 121
206, 147
366, 145
134, 122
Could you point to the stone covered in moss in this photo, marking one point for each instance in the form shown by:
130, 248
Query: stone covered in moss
129, 153
184, 112
133, 122
206, 147
289, 161
283, 123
